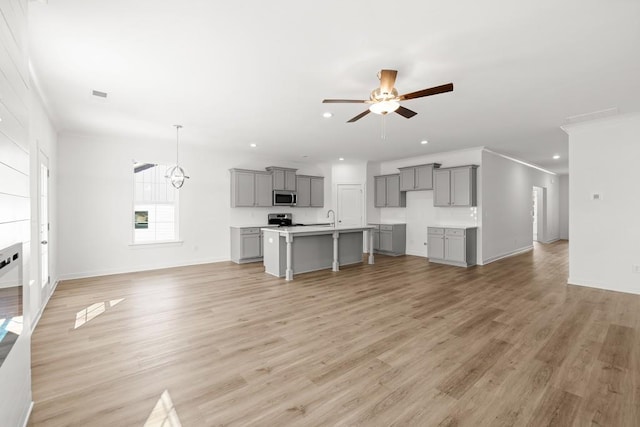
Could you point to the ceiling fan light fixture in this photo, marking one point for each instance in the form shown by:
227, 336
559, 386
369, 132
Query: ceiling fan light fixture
384, 107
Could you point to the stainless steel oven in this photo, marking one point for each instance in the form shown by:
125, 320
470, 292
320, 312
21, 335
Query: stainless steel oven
284, 198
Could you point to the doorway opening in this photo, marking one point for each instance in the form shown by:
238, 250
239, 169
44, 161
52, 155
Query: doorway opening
538, 213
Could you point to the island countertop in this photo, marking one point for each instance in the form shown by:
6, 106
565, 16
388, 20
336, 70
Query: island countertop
317, 229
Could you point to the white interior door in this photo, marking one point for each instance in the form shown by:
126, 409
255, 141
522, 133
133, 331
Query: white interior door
350, 205
43, 220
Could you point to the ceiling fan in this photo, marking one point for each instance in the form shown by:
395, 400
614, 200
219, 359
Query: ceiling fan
385, 99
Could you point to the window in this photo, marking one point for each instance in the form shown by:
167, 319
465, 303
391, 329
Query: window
155, 205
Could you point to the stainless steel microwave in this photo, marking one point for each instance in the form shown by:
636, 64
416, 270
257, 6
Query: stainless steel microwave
284, 198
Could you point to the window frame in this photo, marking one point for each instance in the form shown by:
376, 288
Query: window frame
176, 210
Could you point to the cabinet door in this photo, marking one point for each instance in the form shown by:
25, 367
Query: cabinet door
264, 189
407, 179
386, 241
278, 179
290, 180
381, 191
461, 187
303, 188
250, 246
376, 240
454, 249
441, 188
393, 190
424, 177
245, 188
436, 246
317, 192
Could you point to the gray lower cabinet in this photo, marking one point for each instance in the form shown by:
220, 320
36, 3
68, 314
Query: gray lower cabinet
455, 186
419, 177
387, 192
246, 244
452, 246
310, 190
250, 188
390, 239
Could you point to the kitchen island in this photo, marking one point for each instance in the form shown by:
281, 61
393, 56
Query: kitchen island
292, 250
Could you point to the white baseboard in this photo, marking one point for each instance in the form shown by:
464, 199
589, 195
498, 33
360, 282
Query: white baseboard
507, 254
28, 415
42, 307
420, 254
135, 269
546, 242
599, 285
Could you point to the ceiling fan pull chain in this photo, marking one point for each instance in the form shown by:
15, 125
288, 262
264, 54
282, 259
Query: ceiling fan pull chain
384, 135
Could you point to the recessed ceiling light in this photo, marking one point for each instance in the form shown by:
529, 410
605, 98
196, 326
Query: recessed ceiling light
341, 158
327, 115
252, 145
556, 156
424, 142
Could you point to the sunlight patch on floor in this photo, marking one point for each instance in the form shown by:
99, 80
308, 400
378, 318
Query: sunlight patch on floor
94, 310
164, 413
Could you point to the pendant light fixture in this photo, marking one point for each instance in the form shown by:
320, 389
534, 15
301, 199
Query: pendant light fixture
176, 173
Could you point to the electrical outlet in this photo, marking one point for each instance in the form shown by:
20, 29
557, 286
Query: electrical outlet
636, 268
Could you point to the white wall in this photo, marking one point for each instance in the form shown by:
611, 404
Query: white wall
95, 204
604, 247
507, 188
15, 372
564, 207
420, 212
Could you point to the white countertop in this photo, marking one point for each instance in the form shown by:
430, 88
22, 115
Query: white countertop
459, 226
275, 226
320, 229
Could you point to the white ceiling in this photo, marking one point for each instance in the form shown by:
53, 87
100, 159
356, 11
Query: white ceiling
235, 73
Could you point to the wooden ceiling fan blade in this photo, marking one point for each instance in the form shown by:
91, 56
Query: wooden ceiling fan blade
427, 92
387, 80
359, 116
405, 112
343, 101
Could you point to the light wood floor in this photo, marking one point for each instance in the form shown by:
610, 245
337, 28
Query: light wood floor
400, 343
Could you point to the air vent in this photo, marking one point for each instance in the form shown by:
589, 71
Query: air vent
99, 94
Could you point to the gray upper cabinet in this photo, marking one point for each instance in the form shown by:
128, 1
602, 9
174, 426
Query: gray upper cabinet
417, 177
317, 192
310, 190
387, 192
250, 188
455, 186
303, 188
283, 178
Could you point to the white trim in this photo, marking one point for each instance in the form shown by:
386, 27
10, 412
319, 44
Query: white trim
154, 244
597, 285
28, 414
416, 254
108, 272
522, 162
507, 255
35, 321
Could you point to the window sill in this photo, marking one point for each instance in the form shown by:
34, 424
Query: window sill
166, 243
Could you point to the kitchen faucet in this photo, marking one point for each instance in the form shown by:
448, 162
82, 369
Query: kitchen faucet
332, 223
